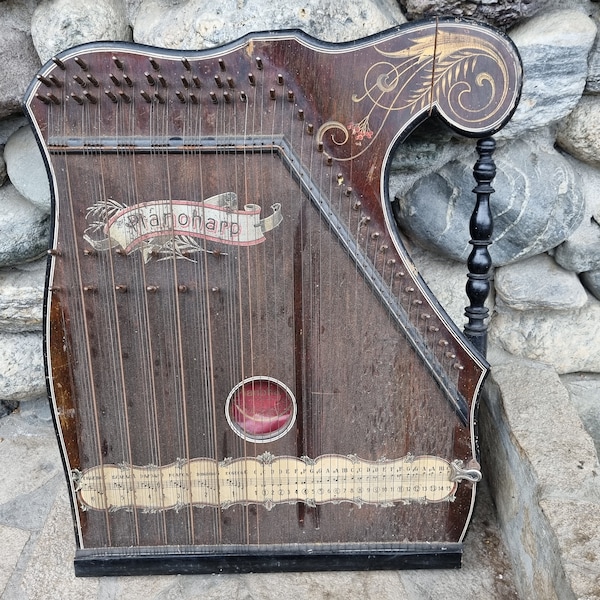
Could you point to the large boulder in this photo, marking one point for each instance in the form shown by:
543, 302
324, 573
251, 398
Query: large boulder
21, 366
554, 47
580, 252
566, 339
21, 297
24, 228
538, 204
60, 24
205, 23
19, 59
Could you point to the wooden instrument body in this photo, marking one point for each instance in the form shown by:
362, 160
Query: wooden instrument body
222, 223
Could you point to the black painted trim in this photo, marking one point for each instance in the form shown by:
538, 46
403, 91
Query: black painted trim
161, 561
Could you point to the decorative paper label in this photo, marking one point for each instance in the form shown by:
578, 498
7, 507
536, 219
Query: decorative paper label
267, 480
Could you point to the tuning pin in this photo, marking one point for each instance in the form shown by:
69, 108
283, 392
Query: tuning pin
92, 80
44, 80
59, 63
81, 63
90, 98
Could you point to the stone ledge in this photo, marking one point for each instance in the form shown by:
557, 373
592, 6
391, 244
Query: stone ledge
543, 470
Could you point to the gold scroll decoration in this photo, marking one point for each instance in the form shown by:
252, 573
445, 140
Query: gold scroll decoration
268, 480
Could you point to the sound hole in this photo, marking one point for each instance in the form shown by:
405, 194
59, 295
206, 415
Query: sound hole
261, 409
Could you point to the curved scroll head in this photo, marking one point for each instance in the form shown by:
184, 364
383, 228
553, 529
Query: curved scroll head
468, 73
476, 78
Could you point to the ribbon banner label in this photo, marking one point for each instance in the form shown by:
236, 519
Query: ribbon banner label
169, 223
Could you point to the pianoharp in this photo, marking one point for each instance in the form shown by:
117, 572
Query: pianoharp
246, 371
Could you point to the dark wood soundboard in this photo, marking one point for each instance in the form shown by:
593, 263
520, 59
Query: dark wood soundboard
246, 371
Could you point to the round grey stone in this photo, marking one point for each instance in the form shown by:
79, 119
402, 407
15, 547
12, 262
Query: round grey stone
21, 297
591, 281
579, 133
26, 168
539, 282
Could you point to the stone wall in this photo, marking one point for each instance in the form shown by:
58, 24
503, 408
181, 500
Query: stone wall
546, 301
547, 208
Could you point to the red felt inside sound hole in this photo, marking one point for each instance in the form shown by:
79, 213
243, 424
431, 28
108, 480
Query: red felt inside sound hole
261, 407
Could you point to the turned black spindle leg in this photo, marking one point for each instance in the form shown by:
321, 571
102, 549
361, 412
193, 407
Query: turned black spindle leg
480, 261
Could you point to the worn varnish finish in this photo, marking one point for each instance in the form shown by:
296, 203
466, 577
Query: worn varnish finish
222, 217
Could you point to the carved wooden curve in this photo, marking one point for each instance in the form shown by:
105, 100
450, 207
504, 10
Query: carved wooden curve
246, 370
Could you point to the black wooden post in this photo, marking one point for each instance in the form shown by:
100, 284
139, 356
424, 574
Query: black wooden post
480, 261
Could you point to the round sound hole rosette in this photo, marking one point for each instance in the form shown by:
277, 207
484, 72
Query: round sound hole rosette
261, 409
